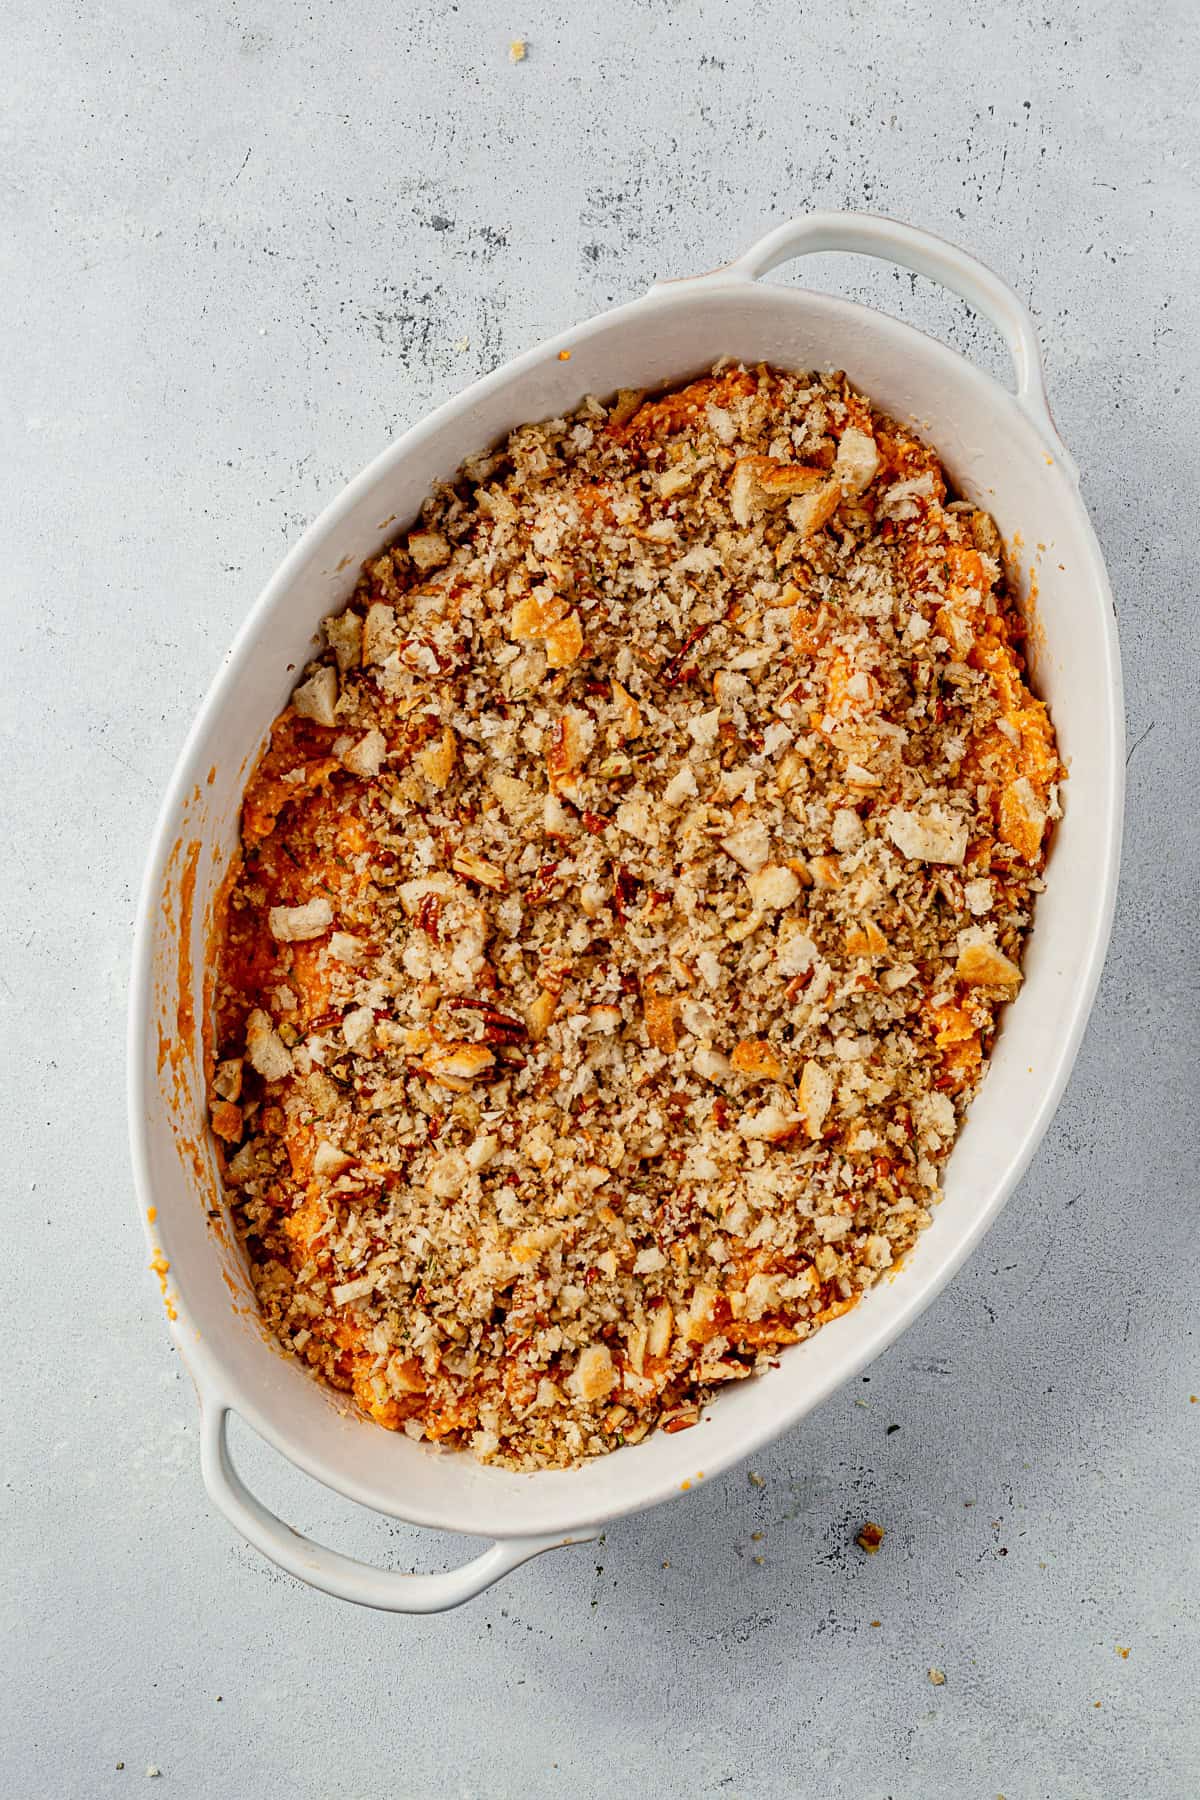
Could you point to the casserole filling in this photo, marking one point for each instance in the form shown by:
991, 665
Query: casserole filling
625, 904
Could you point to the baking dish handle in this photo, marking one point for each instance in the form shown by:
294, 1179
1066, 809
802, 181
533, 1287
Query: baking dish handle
869, 234
344, 1576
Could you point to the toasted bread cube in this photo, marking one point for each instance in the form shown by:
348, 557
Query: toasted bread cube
979, 896
517, 798
934, 836
540, 1014
771, 1124
676, 479
296, 924
865, 940
380, 633
760, 482
458, 1065
810, 512
227, 1080
659, 1330
347, 948
358, 1027
697, 1325
816, 1097
773, 887
982, 965
756, 1058
564, 642
593, 1377
857, 461
682, 786
344, 635
535, 614
436, 761
749, 845
428, 549
826, 872
265, 1049
629, 717
316, 698
448, 1174
328, 1159
366, 757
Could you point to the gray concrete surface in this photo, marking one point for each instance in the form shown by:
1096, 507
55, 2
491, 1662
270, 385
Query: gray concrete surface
242, 245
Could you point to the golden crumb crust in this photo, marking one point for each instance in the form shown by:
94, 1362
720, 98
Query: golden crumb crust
625, 905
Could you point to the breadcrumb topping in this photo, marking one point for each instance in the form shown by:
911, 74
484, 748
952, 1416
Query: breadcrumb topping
625, 905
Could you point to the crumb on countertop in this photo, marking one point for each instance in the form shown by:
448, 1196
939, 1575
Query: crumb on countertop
870, 1537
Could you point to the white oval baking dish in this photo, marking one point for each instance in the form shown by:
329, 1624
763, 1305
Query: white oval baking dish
1003, 451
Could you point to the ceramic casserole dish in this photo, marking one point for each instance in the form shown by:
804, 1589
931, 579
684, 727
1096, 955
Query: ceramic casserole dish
1002, 451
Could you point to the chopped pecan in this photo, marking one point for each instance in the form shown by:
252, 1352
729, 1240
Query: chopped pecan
499, 1027
543, 887
478, 869
626, 888
677, 668
428, 916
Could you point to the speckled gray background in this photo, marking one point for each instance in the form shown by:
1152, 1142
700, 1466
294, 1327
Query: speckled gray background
241, 246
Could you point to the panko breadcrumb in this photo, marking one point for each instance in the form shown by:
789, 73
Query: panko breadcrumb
624, 908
